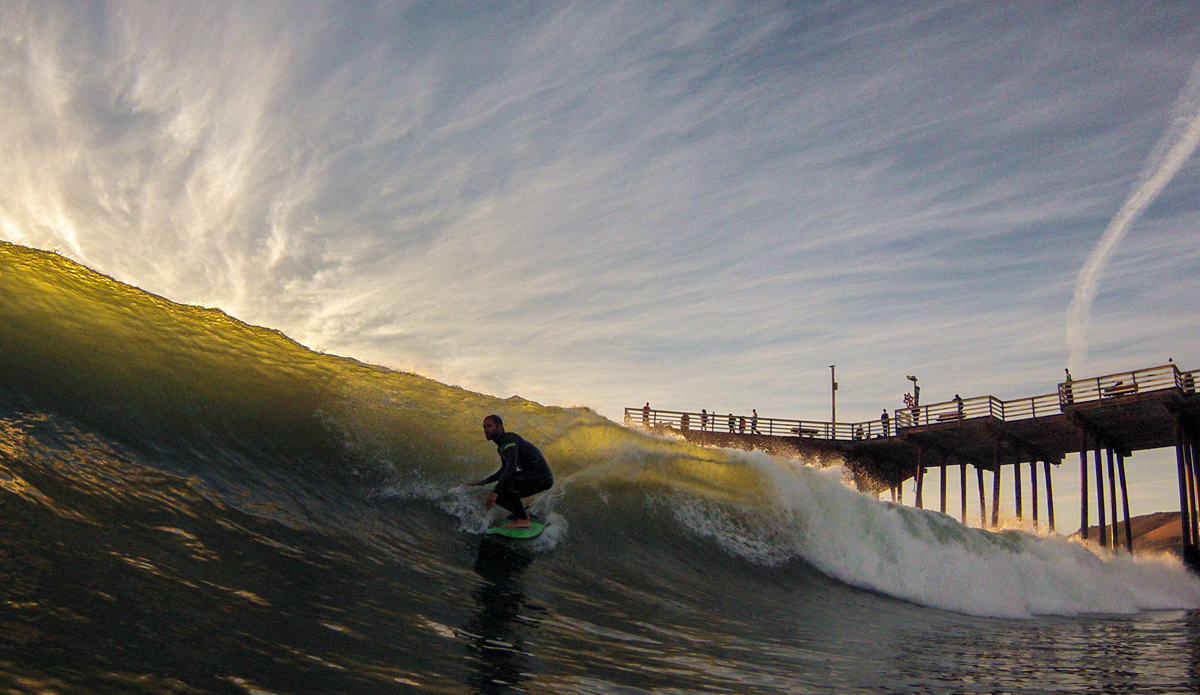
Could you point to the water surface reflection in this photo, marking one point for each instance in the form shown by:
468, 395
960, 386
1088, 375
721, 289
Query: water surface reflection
498, 630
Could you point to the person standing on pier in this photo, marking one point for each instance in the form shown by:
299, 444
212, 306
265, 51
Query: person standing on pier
883, 418
731, 421
646, 414
754, 421
1068, 393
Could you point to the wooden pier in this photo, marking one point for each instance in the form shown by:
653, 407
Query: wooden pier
1100, 420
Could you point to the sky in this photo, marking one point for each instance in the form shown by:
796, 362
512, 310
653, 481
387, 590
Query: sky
695, 204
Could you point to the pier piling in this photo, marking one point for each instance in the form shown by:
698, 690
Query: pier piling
1125, 502
1112, 496
1033, 491
962, 478
996, 485
1100, 516
982, 498
1189, 458
1188, 539
1017, 484
1083, 484
1049, 496
943, 507
920, 480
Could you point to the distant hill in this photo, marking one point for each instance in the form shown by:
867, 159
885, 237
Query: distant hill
1151, 532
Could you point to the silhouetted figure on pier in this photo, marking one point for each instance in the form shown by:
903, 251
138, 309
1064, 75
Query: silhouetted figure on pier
1068, 392
731, 423
646, 414
883, 418
754, 421
703, 419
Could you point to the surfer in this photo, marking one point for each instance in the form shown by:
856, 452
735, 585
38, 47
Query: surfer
523, 471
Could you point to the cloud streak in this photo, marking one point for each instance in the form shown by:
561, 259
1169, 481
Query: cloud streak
1174, 148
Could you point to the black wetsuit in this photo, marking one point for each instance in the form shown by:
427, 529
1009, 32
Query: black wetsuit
523, 472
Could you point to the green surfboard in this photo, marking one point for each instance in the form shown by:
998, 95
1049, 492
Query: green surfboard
535, 529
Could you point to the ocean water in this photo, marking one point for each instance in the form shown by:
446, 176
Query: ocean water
189, 504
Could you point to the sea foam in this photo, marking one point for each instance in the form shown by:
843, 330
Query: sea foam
930, 558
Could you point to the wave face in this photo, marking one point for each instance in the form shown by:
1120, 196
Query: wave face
191, 503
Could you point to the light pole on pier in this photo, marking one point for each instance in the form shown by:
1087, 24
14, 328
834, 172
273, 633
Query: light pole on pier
833, 395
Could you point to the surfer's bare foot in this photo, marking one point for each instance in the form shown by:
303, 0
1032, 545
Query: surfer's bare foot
519, 523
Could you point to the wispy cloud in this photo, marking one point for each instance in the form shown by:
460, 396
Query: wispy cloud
1176, 146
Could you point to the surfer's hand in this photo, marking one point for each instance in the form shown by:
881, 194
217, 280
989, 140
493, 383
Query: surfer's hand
475, 483
490, 501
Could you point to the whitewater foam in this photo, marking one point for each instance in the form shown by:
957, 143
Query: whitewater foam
465, 503
928, 557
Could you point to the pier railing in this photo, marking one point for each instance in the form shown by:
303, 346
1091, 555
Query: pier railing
951, 411
1124, 384
1081, 391
728, 423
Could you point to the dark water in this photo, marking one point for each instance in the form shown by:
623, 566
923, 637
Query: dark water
189, 505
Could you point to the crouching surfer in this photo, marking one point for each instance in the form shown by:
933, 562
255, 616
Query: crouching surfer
523, 472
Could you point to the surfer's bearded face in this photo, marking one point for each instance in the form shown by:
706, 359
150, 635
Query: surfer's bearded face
491, 430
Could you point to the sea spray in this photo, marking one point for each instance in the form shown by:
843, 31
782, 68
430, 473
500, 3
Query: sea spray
928, 557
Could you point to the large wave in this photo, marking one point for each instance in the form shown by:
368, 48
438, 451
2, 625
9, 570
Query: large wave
258, 422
